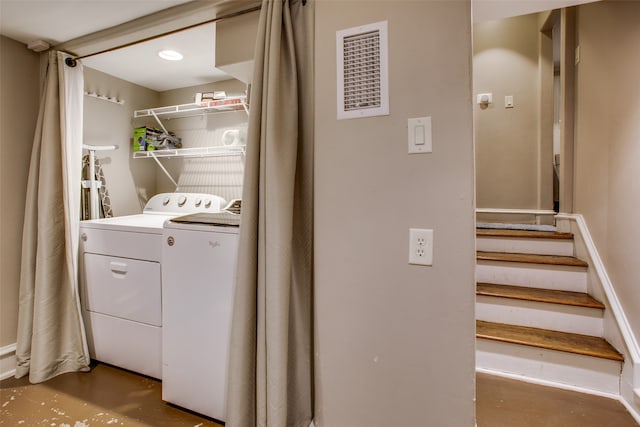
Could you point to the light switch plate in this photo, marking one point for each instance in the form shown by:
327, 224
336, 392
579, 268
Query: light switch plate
419, 135
508, 101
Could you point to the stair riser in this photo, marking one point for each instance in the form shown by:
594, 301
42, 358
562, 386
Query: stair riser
525, 246
533, 275
591, 373
578, 320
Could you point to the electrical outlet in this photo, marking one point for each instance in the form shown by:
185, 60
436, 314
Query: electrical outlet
420, 246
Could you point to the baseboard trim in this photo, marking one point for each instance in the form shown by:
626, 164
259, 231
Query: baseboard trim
607, 286
548, 383
7, 361
632, 410
630, 376
516, 211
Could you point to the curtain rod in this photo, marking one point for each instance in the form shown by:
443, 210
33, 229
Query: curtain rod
72, 62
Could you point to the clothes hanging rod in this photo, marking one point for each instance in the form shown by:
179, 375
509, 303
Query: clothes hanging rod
72, 62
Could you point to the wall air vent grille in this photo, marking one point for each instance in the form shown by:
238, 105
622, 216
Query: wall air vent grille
363, 71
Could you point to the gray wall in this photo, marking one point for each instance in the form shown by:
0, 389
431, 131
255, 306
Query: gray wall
508, 152
19, 100
130, 182
395, 342
607, 147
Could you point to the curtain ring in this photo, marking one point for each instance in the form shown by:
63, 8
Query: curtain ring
70, 62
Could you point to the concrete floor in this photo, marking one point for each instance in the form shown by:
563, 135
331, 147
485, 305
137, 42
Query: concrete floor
113, 397
106, 396
503, 402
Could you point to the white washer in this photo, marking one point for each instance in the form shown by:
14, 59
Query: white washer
120, 277
199, 258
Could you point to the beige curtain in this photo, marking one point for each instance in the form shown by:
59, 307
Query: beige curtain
51, 338
271, 378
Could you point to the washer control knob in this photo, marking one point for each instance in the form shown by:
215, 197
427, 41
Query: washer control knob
166, 201
198, 202
182, 200
207, 204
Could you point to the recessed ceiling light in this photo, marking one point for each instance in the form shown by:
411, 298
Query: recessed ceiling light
170, 55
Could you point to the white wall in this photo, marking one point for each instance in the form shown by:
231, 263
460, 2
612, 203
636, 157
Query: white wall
395, 342
215, 175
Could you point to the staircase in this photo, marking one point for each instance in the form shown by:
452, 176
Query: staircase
535, 319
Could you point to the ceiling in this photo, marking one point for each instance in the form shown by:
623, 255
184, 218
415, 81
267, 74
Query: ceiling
489, 10
141, 64
58, 21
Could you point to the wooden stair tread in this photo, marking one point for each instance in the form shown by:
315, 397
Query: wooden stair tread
552, 340
530, 234
577, 299
561, 260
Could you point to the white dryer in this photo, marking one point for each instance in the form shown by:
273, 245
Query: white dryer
120, 278
199, 257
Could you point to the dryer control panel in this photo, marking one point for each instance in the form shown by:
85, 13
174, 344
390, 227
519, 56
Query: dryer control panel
184, 203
